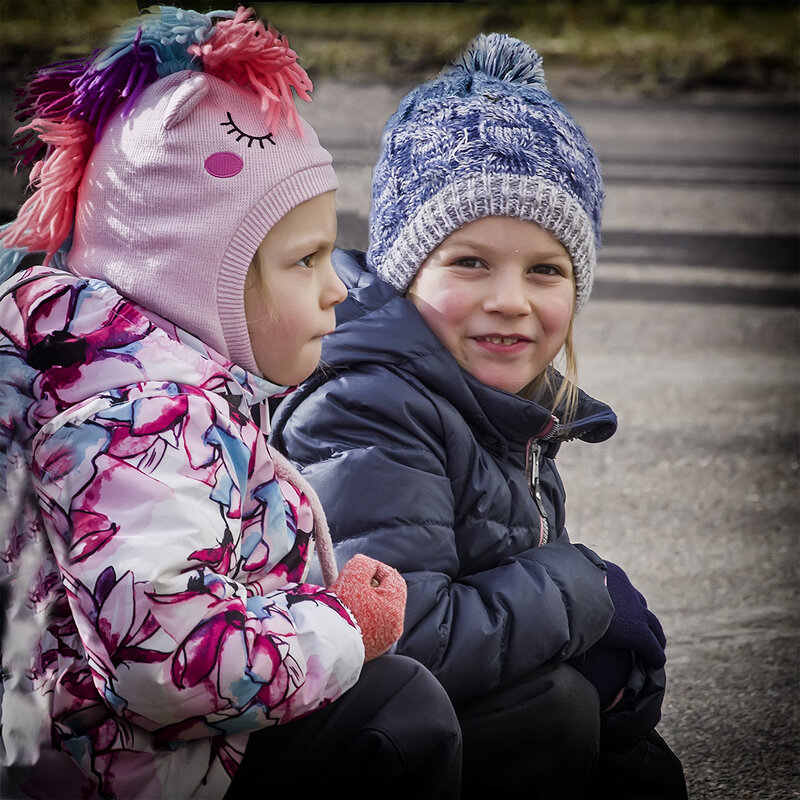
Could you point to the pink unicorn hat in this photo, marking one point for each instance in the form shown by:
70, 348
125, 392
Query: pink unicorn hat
160, 164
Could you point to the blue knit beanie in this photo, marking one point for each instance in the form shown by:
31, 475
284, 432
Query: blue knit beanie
484, 138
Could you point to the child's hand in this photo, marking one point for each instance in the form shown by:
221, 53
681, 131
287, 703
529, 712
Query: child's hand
634, 630
376, 596
633, 625
607, 668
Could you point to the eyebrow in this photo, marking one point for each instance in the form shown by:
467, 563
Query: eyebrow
480, 245
311, 245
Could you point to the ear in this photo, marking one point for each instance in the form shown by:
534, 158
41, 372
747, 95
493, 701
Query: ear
185, 97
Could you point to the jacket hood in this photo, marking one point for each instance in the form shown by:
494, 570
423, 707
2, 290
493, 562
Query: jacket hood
140, 227
377, 325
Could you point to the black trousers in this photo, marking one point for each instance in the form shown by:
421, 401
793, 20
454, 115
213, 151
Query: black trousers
536, 738
542, 737
393, 735
648, 770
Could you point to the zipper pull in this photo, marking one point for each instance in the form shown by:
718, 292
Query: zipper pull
532, 456
532, 469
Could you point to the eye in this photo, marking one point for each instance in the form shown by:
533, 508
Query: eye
306, 261
469, 262
547, 269
240, 134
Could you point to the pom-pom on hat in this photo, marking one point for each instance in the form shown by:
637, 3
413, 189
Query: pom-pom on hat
484, 138
169, 157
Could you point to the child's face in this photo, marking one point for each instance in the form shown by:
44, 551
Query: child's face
291, 290
499, 294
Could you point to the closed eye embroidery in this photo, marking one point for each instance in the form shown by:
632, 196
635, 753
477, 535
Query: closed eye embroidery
234, 128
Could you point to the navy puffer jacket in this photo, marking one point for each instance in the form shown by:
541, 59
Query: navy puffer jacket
422, 466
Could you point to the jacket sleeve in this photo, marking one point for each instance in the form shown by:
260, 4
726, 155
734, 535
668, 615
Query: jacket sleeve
383, 479
183, 555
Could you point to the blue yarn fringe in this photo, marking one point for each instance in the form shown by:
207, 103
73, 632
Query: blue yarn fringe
167, 33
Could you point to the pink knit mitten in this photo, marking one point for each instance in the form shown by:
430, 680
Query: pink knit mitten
376, 596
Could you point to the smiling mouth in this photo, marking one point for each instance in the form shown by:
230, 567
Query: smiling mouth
506, 340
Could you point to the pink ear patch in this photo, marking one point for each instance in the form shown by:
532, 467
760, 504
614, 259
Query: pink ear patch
223, 165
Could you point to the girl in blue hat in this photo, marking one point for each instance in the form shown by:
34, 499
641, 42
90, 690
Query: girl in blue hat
432, 430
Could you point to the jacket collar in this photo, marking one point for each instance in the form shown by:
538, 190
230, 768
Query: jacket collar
246, 390
254, 389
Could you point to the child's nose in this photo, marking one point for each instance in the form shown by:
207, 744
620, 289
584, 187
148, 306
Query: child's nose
506, 296
335, 290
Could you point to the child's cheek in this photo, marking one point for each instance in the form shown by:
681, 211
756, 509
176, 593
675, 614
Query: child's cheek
452, 304
445, 313
223, 165
556, 314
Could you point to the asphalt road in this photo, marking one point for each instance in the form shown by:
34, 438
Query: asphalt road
692, 336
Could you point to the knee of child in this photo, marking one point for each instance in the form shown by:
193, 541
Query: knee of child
410, 681
418, 716
576, 717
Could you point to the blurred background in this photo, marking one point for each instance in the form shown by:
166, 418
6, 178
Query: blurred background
639, 46
693, 333
590, 47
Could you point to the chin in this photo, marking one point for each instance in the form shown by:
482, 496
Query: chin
304, 372
512, 387
297, 378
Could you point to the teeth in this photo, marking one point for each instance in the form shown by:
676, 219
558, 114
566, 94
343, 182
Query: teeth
500, 339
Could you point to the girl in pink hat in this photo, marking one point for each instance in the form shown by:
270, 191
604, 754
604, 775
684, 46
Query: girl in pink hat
160, 639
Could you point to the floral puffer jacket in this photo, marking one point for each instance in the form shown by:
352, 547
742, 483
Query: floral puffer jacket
153, 553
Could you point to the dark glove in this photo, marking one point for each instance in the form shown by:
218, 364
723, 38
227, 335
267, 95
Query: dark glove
607, 669
633, 626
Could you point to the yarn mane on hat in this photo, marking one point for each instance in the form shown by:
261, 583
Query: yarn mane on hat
65, 106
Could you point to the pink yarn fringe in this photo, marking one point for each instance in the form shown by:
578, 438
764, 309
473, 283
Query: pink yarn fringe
244, 51
46, 218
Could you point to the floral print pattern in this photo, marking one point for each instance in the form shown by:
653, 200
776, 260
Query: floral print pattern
174, 616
